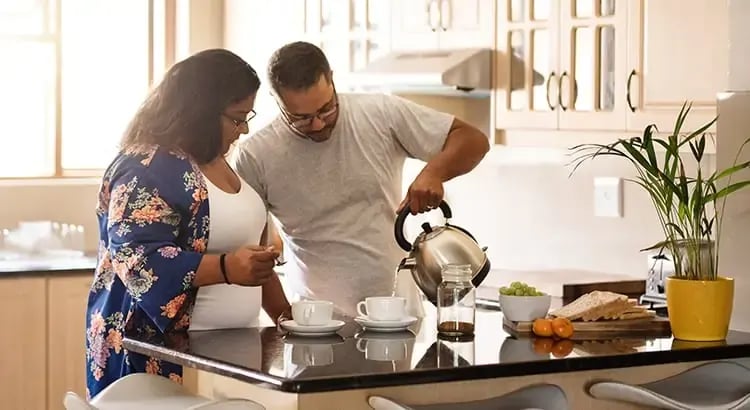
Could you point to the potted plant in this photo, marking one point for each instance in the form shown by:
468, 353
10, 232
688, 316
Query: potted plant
690, 210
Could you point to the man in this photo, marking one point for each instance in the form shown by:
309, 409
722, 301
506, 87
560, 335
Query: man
330, 168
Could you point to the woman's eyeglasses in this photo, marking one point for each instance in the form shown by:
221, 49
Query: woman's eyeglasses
237, 122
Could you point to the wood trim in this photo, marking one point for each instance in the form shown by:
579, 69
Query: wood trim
632, 288
170, 35
58, 94
151, 45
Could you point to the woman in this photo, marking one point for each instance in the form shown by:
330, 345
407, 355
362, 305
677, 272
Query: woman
179, 230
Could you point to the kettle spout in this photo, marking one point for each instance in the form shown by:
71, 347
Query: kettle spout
407, 263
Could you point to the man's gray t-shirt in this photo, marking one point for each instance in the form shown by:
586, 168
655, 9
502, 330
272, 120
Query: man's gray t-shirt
335, 200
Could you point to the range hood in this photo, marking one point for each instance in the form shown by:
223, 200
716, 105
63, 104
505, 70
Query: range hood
462, 72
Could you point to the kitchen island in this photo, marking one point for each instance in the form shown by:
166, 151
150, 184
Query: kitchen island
342, 371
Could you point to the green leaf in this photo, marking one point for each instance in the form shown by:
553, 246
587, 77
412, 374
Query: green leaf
731, 170
648, 143
727, 190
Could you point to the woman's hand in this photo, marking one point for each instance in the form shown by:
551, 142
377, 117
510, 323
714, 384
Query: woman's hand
251, 265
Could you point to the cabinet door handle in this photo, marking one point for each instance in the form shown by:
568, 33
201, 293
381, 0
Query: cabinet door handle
630, 80
559, 91
549, 83
431, 21
445, 14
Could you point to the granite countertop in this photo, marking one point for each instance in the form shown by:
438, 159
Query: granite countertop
355, 359
22, 264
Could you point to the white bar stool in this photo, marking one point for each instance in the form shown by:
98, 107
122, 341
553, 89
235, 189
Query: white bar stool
723, 385
535, 397
144, 391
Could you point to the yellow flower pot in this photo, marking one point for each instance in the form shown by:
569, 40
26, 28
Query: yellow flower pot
700, 310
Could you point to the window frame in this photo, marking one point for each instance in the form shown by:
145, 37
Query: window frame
162, 38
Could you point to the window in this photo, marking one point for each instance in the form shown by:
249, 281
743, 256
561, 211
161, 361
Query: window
73, 74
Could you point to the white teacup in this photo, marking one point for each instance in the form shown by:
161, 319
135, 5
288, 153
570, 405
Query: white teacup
383, 350
312, 355
383, 308
312, 312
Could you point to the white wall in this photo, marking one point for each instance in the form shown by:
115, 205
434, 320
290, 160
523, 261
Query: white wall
733, 129
51, 200
532, 215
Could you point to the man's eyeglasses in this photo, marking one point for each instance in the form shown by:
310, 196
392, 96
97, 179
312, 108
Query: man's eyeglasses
306, 121
302, 122
237, 122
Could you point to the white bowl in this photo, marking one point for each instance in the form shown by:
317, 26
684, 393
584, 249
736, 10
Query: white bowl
524, 308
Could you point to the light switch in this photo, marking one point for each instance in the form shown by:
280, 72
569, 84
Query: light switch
608, 197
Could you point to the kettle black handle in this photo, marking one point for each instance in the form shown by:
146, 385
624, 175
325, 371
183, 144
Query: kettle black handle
398, 228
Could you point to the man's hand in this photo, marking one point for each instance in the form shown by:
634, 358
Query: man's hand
424, 194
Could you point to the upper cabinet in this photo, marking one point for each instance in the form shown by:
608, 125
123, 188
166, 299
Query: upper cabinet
609, 65
676, 56
569, 65
443, 24
351, 33
562, 64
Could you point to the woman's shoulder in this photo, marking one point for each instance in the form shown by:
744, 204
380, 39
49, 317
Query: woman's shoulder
155, 156
150, 159
156, 166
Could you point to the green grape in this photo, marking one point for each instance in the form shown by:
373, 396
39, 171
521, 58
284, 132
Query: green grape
517, 288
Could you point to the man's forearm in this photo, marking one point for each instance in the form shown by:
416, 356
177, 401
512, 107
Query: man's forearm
464, 148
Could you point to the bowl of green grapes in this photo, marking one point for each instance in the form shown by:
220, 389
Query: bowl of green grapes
520, 302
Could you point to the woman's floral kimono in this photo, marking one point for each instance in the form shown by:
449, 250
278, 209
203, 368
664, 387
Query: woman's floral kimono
153, 226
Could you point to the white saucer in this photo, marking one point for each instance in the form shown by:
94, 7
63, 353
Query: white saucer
385, 325
323, 330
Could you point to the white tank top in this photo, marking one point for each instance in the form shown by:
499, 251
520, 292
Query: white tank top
235, 220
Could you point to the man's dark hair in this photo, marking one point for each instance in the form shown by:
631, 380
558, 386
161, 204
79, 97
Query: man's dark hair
297, 66
184, 111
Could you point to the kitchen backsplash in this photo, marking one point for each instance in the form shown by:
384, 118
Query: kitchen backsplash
531, 216
537, 217
73, 203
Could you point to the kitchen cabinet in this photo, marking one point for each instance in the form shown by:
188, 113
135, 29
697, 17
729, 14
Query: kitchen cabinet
674, 57
23, 343
443, 24
351, 33
562, 64
608, 65
66, 351
42, 345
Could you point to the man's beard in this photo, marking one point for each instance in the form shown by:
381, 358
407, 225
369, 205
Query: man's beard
320, 136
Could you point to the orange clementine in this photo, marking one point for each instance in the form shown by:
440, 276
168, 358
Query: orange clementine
562, 327
542, 327
543, 345
562, 348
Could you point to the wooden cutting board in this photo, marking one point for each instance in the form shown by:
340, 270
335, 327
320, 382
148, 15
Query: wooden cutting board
602, 329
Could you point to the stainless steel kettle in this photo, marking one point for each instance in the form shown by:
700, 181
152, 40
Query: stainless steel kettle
437, 246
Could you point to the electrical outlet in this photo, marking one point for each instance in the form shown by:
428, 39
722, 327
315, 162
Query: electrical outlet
608, 197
